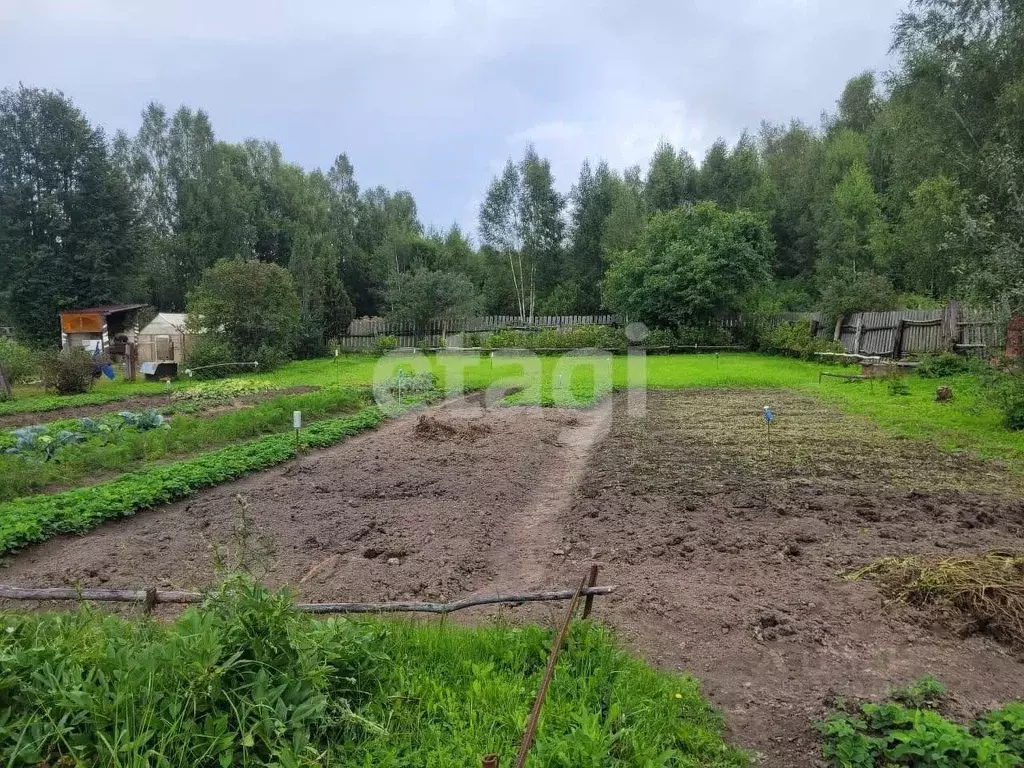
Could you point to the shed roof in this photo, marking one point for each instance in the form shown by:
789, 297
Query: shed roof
106, 309
165, 324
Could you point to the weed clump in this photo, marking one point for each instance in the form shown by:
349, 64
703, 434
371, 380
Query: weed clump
988, 591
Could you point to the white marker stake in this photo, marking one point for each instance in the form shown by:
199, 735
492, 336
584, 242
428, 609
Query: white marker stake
297, 423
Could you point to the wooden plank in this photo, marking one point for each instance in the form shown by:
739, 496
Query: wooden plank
858, 334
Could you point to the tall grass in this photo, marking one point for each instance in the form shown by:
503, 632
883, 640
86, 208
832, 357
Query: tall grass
245, 681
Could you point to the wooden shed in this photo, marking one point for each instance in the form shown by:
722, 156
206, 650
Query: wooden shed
107, 329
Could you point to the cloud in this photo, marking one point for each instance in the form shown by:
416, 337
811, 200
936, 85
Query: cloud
435, 95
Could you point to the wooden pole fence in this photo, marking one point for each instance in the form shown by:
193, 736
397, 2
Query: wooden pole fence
150, 598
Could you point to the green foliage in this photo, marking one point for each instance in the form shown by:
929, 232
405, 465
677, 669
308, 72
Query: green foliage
117, 443
384, 344
243, 680
909, 732
1007, 392
225, 389
404, 384
209, 357
796, 339
690, 265
67, 222
581, 337
946, 364
897, 385
846, 292
425, 295
67, 371
31, 519
17, 360
252, 306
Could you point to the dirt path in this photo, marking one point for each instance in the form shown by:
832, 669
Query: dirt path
727, 560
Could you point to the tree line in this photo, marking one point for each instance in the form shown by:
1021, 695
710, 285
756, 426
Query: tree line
908, 192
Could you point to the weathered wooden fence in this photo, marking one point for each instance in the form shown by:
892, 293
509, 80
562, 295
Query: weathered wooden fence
915, 331
896, 333
363, 333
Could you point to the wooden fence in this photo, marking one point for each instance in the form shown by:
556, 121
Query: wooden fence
904, 332
896, 333
363, 333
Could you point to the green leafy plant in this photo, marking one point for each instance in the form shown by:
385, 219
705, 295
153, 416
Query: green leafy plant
29, 519
797, 340
244, 680
17, 360
913, 734
384, 344
946, 364
223, 389
67, 371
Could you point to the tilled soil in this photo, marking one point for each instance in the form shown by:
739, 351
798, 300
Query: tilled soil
728, 556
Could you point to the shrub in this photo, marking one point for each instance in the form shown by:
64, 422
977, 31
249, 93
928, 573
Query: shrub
661, 337
894, 734
1007, 392
948, 364
796, 339
68, 371
17, 360
384, 344
704, 336
583, 337
209, 350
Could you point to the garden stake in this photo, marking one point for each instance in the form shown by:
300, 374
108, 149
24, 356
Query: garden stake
490, 761
588, 604
531, 726
768, 417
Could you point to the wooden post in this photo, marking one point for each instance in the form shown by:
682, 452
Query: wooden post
490, 761
897, 342
951, 325
839, 329
588, 604
5, 383
857, 334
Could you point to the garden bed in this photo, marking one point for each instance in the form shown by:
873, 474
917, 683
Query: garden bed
728, 559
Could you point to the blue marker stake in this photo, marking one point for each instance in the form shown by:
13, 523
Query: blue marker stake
769, 416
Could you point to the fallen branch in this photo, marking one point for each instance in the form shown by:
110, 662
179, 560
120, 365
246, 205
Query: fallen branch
154, 597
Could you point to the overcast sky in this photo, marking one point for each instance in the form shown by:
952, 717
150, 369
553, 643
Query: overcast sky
434, 95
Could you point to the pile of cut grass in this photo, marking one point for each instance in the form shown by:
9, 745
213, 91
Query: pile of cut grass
987, 590
245, 681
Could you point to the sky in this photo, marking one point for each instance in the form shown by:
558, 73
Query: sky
434, 96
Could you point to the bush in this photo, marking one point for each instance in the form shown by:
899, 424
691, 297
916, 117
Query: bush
384, 344
583, 337
1008, 393
704, 336
948, 364
209, 350
68, 371
913, 734
796, 339
19, 361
